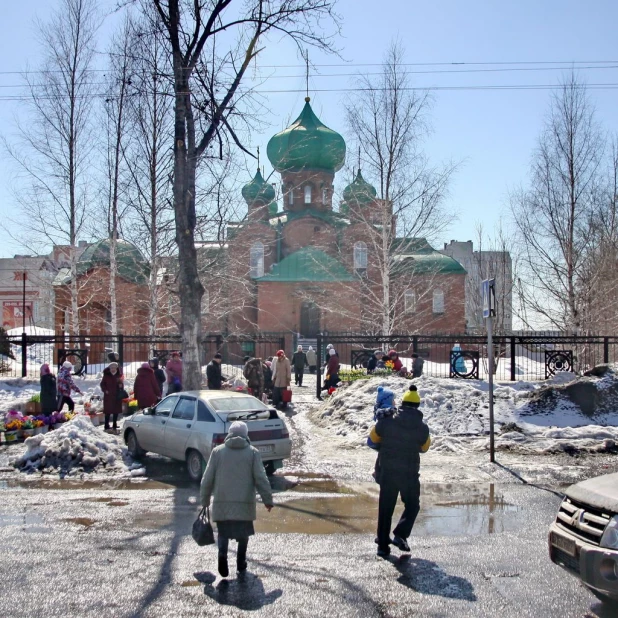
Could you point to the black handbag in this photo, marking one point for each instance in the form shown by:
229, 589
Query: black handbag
121, 394
202, 532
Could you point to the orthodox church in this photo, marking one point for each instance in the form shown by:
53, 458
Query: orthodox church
307, 268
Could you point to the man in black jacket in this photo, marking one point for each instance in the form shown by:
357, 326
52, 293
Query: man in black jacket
213, 373
401, 438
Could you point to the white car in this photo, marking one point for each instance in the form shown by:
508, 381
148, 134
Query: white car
188, 425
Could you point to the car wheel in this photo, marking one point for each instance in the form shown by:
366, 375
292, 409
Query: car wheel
607, 600
195, 466
269, 467
135, 450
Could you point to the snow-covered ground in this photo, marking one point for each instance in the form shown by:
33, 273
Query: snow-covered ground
457, 412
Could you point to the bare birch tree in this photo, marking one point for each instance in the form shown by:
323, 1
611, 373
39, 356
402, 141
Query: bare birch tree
55, 143
116, 137
551, 214
389, 123
212, 44
149, 156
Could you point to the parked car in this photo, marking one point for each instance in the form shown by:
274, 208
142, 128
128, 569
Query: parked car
188, 425
584, 537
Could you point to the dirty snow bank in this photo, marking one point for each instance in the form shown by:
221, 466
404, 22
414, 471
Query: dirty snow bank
457, 412
77, 446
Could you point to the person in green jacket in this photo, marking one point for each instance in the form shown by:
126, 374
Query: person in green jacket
233, 475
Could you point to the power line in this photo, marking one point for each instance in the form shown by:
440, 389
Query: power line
327, 75
513, 87
373, 64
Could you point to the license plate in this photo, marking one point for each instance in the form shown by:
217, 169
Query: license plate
566, 545
269, 448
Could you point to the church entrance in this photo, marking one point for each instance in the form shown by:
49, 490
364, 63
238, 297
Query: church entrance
309, 320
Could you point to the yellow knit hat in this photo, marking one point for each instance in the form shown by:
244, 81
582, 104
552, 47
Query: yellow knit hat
411, 397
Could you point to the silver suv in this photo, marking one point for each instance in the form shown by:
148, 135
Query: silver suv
188, 425
584, 538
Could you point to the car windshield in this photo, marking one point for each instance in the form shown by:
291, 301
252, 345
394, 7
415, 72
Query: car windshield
236, 404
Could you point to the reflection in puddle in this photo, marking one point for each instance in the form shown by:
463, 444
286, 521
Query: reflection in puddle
28, 522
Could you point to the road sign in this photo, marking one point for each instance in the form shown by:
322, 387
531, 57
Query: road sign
488, 293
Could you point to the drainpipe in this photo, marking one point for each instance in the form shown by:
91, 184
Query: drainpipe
279, 230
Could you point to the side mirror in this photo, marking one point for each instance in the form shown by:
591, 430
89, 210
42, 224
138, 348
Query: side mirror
147, 411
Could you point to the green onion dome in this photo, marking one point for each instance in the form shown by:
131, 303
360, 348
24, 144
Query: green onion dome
359, 191
307, 144
258, 190
130, 263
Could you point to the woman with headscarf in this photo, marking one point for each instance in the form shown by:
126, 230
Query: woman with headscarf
49, 394
158, 373
146, 388
173, 367
332, 370
233, 475
66, 386
111, 385
312, 359
282, 376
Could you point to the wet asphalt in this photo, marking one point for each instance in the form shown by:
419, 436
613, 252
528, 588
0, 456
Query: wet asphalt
123, 549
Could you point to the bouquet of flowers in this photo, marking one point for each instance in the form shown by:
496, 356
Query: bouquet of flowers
14, 415
68, 416
13, 425
389, 364
57, 418
37, 423
28, 423
45, 420
133, 405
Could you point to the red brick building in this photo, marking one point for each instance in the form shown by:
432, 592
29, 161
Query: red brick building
310, 268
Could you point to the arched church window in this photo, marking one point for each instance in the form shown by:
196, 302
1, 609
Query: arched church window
438, 301
256, 260
409, 299
324, 195
307, 194
291, 196
360, 255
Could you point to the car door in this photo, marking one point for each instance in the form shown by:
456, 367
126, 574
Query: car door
179, 427
152, 428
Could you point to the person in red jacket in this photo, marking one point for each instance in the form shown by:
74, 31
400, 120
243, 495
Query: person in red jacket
397, 364
173, 367
146, 388
111, 384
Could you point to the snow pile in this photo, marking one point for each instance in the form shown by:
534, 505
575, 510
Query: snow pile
457, 412
77, 446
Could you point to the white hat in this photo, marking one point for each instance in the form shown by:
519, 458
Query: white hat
310, 347
67, 365
332, 352
329, 346
238, 428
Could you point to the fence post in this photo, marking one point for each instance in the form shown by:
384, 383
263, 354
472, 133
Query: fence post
120, 352
24, 354
318, 377
605, 350
512, 359
415, 344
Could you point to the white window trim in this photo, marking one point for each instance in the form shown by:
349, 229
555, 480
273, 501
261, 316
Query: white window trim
409, 306
256, 260
307, 194
438, 306
360, 255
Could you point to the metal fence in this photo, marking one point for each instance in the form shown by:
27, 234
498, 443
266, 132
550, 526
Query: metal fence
90, 354
517, 357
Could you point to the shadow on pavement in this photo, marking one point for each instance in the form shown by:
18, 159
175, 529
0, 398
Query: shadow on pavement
428, 577
604, 610
246, 592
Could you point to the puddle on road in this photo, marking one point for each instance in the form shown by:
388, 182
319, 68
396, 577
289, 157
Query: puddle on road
86, 522
28, 522
445, 511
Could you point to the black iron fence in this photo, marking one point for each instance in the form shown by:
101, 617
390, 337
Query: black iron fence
517, 357
90, 354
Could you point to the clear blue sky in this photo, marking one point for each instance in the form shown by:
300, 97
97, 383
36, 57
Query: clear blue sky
492, 132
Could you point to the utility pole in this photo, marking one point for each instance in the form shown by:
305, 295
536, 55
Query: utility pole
488, 292
23, 306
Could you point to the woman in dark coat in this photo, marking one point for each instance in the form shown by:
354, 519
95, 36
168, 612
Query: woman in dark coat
146, 388
111, 383
159, 374
49, 395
